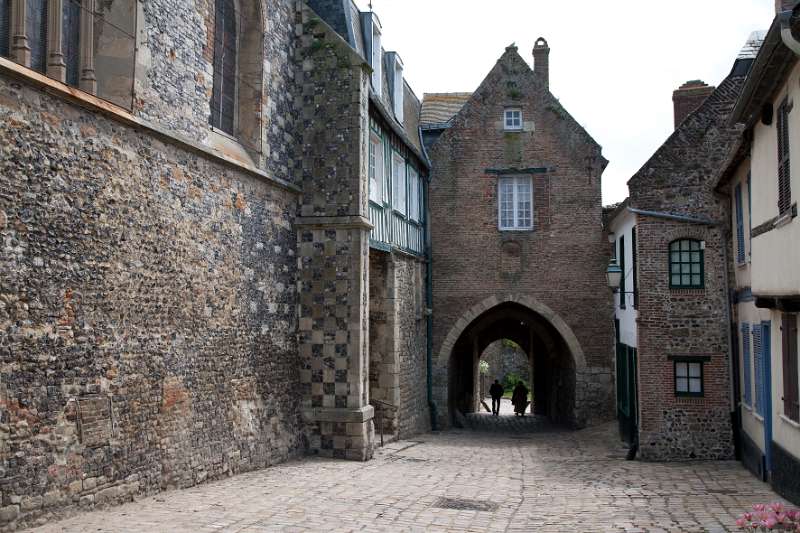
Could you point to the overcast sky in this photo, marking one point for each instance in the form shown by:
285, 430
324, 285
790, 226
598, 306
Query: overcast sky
613, 63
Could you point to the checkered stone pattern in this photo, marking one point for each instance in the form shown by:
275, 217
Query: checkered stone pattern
332, 307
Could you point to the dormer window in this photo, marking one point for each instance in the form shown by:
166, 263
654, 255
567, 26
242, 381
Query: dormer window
513, 119
376, 63
395, 66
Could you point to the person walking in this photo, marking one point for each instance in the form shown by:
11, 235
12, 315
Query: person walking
496, 392
520, 399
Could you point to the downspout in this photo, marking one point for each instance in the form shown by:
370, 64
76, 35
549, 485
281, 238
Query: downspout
788, 39
434, 412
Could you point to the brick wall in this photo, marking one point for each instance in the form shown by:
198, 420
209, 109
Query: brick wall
561, 263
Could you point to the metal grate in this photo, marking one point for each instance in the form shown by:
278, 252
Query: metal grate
465, 505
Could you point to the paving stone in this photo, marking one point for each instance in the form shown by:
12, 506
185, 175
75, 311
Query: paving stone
541, 479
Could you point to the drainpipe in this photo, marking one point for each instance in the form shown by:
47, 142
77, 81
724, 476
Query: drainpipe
428, 296
785, 18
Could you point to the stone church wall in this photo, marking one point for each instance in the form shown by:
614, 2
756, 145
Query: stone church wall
147, 312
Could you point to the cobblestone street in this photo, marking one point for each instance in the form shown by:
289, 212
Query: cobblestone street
465, 480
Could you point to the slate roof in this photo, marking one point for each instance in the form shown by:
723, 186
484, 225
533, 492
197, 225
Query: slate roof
439, 108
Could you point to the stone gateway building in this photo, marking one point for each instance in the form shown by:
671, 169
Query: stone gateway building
518, 245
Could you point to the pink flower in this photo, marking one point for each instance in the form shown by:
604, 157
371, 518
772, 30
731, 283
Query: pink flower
759, 507
741, 522
748, 516
770, 522
793, 514
776, 507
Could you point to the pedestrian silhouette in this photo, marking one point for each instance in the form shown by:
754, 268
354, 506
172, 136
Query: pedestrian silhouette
520, 399
496, 392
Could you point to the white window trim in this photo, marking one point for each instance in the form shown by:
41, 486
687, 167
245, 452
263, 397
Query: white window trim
506, 112
515, 180
379, 194
399, 161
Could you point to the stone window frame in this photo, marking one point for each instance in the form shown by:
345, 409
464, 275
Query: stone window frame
689, 361
515, 180
680, 274
55, 64
508, 113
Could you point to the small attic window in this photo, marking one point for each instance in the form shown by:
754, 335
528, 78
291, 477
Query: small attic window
396, 80
513, 119
376, 63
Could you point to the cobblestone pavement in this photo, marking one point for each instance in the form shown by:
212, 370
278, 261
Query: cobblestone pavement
465, 480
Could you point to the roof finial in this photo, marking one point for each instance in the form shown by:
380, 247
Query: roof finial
370, 5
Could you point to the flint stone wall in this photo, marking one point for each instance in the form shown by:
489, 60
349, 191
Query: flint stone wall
147, 313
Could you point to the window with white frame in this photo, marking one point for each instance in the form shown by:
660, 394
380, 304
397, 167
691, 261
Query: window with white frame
513, 118
515, 203
376, 179
414, 204
399, 184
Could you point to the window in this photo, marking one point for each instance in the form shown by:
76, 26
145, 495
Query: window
515, 203
414, 204
376, 169
71, 40
688, 378
635, 287
513, 119
686, 264
739, 209
397, 86
747, 386
5, 28
784, 167
36, 31
223, 96
399, 184
623, 286
791, 394
376, 62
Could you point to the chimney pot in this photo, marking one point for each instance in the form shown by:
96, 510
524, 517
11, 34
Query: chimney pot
784, 5
541, 60
688, 97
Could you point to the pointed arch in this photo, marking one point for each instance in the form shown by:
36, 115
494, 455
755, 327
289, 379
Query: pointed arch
531, 303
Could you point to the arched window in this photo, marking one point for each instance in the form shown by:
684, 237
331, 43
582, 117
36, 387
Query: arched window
36, 30
686, 270
5, 28
223, 97
71, 40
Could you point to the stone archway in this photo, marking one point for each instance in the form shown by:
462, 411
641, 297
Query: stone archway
549, 342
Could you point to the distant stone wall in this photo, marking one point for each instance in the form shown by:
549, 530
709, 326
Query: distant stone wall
504, 360
147, 312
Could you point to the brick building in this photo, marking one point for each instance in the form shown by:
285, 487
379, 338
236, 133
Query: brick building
679, 279
517, 243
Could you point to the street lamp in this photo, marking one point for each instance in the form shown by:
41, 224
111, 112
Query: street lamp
613, 275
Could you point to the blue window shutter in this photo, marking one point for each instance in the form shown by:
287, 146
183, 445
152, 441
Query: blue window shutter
5, 27
739, 225
747, 386
750, 213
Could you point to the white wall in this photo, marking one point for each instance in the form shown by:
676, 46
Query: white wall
776, 253
620, 226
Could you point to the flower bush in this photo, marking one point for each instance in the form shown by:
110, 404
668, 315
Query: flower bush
771, 517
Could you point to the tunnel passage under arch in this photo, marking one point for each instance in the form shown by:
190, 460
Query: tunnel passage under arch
552, 351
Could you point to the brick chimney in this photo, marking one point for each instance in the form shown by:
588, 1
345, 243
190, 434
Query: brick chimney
689, 97
541, 60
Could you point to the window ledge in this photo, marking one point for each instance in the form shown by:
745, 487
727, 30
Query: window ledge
791, 422
746, 406
783, 220
515, 230
123, 116
758, 417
